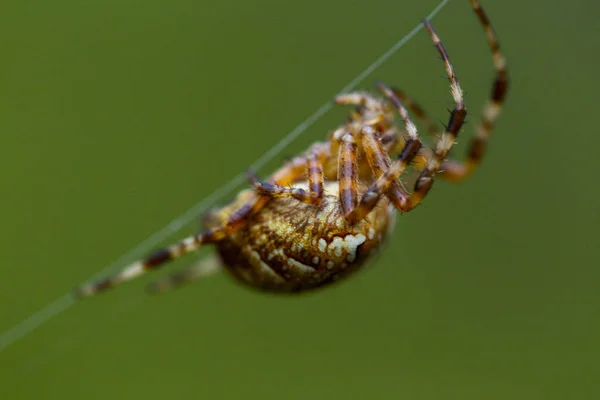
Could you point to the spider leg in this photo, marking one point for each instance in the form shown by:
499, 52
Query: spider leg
348, 173
202, 268
417, 110
386, 171
360, 99
448, 138
314, 170
315, 175
162, 256
456, 170
402, 102
379, 161
392, 139
452, 170
370, 111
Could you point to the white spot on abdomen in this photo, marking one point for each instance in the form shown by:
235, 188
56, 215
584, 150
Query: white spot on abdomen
257, 262
347, 245
322, 245
336, 246
352, 243
297, 266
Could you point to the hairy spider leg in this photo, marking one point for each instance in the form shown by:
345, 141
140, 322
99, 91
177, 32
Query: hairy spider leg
456, 170
348, 173
313, 162
452, 170
448, 137
363, 99
395, 142
417, 110
379, 161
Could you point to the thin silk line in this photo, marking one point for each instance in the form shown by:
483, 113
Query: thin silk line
64, 302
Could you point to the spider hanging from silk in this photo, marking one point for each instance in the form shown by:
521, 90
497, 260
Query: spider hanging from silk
324, 213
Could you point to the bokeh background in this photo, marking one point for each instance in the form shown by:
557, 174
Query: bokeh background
116, 116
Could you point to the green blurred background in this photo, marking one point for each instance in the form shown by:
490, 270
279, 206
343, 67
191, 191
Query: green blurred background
116, 116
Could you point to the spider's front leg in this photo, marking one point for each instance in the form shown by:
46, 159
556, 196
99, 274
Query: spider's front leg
456, 170
434, 161
457, 117
453, 170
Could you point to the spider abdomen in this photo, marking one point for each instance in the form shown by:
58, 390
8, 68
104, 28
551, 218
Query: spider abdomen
293, 246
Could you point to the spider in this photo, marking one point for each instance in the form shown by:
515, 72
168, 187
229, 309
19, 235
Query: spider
323, 214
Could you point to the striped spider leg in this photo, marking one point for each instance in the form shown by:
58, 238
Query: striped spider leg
452, 170
313, 162
448, 138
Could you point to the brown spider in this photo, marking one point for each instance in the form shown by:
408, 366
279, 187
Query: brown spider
288, 235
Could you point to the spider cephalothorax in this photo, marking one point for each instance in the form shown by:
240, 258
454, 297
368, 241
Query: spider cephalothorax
324, 213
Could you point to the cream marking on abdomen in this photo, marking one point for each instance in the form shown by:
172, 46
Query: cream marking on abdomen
348, 244
257, 262
297, 266
351, 244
